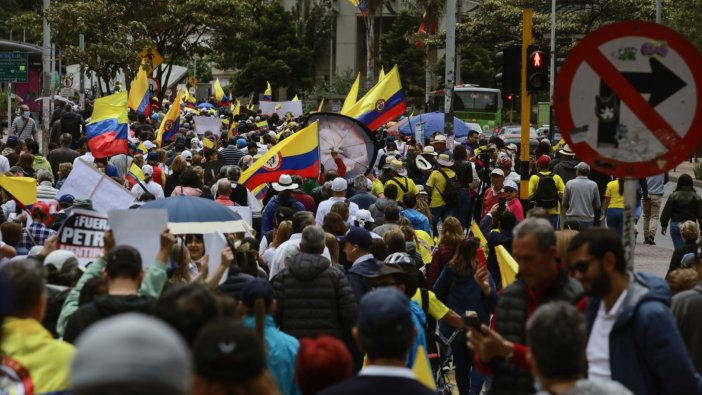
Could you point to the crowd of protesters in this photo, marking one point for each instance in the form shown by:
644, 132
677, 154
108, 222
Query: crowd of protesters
347, 285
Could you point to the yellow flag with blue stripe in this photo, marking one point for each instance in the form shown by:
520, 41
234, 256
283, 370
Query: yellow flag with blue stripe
478, 234
352, 95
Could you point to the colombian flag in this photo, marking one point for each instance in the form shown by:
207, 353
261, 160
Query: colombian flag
268, 94
352, 96
297, 154
171, 123
23, 189
219, 93
108, 129
361, 5
383, 103
139, 94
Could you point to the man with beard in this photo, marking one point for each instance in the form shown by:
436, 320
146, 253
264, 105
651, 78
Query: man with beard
633, 336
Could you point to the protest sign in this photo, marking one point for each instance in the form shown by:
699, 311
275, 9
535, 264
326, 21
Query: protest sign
245, 214
203, 124
82, 234
214, 244
87, 182
140, 229
282, 108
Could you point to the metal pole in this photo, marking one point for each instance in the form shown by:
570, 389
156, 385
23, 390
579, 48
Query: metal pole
459, 11
630, 187
46, 67
81, 44
331, 43
9, 107
450, 76
526, 108
659, 11
552, 77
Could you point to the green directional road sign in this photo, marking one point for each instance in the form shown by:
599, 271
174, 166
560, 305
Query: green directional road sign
14, 66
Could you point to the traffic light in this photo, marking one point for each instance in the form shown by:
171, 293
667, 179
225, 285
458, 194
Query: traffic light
509, 64
537, 69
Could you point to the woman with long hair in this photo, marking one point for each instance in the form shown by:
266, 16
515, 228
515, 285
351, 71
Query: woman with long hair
684, 204
178, 166
280, 236
334, 224
451, 236
190, 184
465, 285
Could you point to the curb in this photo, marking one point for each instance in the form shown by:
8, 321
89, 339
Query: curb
697, 183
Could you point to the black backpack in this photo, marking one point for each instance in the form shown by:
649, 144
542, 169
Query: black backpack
451, 192
546, 194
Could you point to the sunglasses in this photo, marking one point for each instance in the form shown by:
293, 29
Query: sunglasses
581, 266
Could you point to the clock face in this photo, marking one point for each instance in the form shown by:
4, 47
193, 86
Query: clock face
350, 138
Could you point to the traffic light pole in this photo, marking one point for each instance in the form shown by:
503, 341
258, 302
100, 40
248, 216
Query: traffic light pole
526, 107
450, 69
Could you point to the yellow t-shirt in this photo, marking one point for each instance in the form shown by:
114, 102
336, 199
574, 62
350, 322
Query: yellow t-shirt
438, 184
616, 200
404, 184
534, 183
377, 188
436, 308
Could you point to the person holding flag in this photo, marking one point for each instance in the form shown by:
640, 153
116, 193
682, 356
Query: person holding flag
171, 122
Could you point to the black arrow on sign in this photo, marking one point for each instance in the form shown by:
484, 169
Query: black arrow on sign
660, 82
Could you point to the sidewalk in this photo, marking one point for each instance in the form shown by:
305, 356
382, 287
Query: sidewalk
651, 258
684, 167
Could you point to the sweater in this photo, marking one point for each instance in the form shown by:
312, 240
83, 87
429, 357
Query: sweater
682, 205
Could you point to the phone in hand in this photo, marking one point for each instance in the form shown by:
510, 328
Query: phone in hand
501, 201
472, 321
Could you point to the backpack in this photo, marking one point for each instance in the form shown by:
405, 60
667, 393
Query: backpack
451, 192
546, 194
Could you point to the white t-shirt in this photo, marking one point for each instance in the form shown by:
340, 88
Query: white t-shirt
277, 264
325, 207
151, 187
597, 349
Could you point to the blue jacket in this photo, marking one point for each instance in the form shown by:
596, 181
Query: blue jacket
419, 221
646, 353
357, 276
282, 353
460, 292
268, 216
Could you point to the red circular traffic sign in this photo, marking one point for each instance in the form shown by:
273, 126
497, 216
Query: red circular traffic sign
627, 99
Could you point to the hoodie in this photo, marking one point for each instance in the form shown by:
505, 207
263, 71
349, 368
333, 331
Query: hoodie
566, 169
41, 163
377, 209
105, 306
646, 353
313, 298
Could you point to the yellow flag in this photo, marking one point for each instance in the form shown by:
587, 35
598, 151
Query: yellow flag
295, 98
24, 189
262, 124
236, 109
557, 146
382, 73
321, 104
136, 172
479, 235
352, 96
508, 266
421, 369
207, 143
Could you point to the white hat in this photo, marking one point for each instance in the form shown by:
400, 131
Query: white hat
363, 216
429, 150
339, 184
284, 182
421, 190
148, 145
187, 155
444, 160
440, 138
59, 258
399, 167
147, 170
499, 172
566, 151
422, 163
511, 184
512, 147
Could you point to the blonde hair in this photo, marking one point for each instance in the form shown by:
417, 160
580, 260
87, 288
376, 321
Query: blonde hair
179, 164
689, 231
333, 246
563, 238
682, 279
65, 169
282, 234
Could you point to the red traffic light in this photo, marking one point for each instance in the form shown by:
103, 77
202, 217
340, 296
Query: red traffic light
537, 59
509, 97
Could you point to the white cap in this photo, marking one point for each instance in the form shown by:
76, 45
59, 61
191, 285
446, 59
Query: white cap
498, 172
147, 170
339, 184
363, 216
187, 155
511, 184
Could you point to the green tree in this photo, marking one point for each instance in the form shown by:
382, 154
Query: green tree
116, 31
684, 16
398, 48
268, 50
313, 24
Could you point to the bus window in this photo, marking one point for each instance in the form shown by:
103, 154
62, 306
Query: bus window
476, 101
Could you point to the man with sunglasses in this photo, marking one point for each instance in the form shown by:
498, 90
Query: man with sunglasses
632, 334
